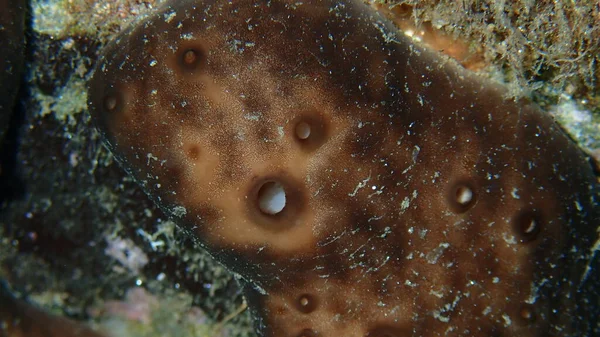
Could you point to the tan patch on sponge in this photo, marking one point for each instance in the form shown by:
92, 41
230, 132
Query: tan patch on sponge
361, 185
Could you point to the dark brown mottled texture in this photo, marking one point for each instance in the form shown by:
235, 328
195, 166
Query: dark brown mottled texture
422, 203
12, 44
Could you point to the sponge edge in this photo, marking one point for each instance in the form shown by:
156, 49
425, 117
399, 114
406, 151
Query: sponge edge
317, 152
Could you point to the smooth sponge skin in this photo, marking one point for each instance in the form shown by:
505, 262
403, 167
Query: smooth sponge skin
418, 199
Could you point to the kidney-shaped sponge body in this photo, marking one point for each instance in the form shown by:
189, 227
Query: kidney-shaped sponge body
361, 185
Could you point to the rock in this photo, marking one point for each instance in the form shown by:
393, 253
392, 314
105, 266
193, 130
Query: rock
12, 44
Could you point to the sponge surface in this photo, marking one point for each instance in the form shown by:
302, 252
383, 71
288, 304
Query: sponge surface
361, 185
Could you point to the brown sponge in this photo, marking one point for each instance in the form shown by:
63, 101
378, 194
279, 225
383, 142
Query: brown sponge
360, 185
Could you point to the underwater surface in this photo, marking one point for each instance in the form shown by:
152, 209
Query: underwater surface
316, 168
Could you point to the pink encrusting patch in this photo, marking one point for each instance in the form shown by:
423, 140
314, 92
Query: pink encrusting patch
360, 184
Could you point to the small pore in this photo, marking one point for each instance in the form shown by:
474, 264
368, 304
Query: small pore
306, 303
193, 152
271, 198
461, 197
310, 130
191, 58
526, 314
527, 226
303, 130
464, 195
276, 202
111, 102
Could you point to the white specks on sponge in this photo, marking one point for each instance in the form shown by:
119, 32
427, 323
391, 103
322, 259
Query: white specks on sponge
509, 238
436, 253
169, 16
360, 185
507, 320
591, 257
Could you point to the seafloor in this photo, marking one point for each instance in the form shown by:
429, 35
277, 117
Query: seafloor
77, 235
